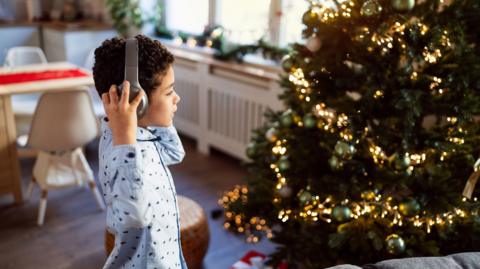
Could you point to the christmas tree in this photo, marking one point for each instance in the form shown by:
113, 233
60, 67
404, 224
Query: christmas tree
374, 156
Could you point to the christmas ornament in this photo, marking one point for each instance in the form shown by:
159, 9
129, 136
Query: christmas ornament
395, 244
341, 213
286, 118
310, 17
314, 43
344, 150
251, 149
309, 121
285, 191
409, 208
370, 8
283, 163
402, 162
288, 62
304, 196
403, 5
335, 163
271, 135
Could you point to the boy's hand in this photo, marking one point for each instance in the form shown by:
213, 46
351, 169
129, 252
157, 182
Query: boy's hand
122, 115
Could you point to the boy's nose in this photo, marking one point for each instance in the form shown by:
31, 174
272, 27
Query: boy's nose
177, 100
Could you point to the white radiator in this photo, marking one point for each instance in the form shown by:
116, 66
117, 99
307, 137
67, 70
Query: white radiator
220, 106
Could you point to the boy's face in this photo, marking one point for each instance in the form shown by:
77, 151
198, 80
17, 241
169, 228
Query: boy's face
162, 103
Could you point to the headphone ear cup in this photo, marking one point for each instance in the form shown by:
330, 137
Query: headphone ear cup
142, 107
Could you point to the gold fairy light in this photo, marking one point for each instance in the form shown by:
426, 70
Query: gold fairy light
452, 120
377, 154
239, 222
346, 135
431, 56
445, 41
378, 94
457, 140
298, 78
443, 156
279, 148
342, 120
423, 28
399, 28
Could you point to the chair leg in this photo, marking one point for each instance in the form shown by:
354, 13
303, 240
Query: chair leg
97, 195
42, 208
30, 188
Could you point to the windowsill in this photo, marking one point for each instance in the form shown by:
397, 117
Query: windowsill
252, 64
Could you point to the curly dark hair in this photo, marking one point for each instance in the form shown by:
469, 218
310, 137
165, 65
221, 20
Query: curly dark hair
109, 68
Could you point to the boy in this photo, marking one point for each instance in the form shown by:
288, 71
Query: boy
142, 209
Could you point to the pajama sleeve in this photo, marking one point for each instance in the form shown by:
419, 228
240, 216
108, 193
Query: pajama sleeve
125, 188
169, 145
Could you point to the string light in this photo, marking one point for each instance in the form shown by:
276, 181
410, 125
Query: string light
298, 78
431, 56
378, 94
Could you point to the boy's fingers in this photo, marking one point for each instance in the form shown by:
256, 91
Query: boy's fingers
125, 93
138, 99
113, 94
105, 99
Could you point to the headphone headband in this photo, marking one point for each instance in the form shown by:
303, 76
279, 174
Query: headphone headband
131, 62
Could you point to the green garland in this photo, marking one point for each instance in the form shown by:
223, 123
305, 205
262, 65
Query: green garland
219, 44
269, 51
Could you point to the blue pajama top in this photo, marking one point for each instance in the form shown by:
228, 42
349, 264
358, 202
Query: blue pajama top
142, 208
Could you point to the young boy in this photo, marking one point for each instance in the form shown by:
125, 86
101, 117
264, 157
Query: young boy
142, 209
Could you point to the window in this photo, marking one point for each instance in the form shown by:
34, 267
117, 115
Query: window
244, 21
186, 15
292, 25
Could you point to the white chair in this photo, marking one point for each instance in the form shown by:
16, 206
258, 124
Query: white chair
18, 56
24, 104
96, 99
62, 124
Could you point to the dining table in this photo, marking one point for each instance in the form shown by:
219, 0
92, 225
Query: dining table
33, 78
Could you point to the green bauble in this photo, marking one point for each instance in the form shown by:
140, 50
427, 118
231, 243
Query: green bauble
286, 119
409, 208
370, 8
288, 61
304, 196
344, 150
335, 163
285, 191
402, 162
271, 135
310, 17
395, 244
403, 5
309, 121
341, 213
283, 163
251, 150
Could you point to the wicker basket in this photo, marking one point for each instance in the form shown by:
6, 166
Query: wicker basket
193, 229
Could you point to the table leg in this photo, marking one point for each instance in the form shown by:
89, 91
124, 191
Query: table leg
10, 179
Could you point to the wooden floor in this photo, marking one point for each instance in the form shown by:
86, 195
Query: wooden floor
72, 236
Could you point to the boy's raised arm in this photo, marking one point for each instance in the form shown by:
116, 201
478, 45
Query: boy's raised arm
170, 145
124, 184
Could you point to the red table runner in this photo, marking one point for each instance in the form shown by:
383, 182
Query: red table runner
43, 75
